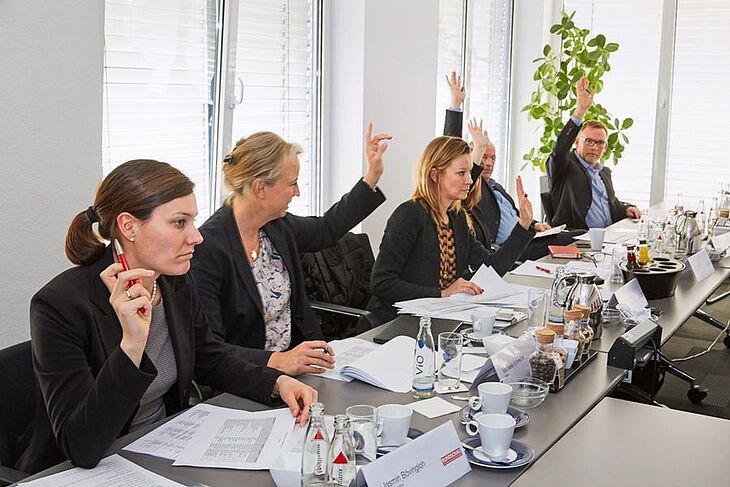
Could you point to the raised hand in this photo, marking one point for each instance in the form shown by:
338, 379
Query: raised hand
374, 150
481, 140
127, 301
584, 98
524, 205
457, 90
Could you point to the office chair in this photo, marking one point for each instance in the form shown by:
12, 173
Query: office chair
547, 202
17, 383
337, 281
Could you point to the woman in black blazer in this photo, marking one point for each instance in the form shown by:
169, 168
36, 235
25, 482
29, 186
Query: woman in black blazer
248, 270
428, 248
116, 350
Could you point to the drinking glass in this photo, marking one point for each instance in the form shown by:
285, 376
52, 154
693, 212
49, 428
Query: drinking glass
450, 350
536, 307
364, 426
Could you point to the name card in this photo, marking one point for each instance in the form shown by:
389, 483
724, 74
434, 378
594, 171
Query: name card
631, 298
433, 459
701, 265
721, 242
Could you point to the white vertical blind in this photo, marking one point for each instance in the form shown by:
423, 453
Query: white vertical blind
489, 74
697, 156
157, 74
275, 42
630, 88
450, 53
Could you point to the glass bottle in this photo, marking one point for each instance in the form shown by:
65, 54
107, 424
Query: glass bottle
424, 361
644, 258
631, 263
572, 331
559, 329
544, 361
341, 457
316, 449
585, 330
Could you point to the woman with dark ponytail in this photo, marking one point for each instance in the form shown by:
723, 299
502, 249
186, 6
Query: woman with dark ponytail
116, 350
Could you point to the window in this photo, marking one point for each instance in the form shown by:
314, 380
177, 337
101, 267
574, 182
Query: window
274, 69
696, 158
162, 67
480, 48
157, 79
630, 88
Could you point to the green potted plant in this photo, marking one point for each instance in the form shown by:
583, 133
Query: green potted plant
557, 74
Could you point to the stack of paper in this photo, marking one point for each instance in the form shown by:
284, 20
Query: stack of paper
389, 366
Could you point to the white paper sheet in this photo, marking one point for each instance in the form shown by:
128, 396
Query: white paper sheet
112, 471
536, 269
239, 439
631, 298
613, 235
701, 265
390, 366
347, 351
170, 439
433, 407
493, 285
552, 231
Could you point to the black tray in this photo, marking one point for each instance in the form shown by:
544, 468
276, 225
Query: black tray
571, 372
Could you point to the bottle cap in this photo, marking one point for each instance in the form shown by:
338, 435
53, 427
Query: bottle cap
558, 328
572, 314
544, 336
586, 310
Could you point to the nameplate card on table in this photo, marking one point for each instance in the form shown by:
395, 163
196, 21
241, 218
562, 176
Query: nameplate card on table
433, 459
701, 265
630, 297
721, 242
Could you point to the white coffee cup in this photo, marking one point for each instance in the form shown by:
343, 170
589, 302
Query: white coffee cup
482, 321
493, 398
597, 235
495, 433
395, 421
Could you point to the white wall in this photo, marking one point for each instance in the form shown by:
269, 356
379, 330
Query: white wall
50, 141
382, 67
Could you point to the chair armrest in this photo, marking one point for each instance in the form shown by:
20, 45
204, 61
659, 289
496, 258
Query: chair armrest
369, 317
10, 475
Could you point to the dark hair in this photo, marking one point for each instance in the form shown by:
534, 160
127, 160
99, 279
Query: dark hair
136, 187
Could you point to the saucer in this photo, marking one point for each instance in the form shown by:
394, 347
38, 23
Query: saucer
385, 449
468, 414
519, 455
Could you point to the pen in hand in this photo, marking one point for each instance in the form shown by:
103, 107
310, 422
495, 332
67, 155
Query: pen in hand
125, 266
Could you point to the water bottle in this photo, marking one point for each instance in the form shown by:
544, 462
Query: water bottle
315, 450
424, 361
341, 457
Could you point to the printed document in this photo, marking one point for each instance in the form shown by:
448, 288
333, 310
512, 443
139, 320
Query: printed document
347, 351
112, 471
239, 439
170, 439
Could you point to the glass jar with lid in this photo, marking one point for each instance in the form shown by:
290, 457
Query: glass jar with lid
559, 348
585, 329
572, 319
544, 361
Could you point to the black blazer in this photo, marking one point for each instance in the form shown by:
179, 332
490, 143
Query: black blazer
91, 389
407, 266
227, 288
570, 184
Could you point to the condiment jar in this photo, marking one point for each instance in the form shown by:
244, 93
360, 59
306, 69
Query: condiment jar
585, 329
558, 348
572, 320
544, 361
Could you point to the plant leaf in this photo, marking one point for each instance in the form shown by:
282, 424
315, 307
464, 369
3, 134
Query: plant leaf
628, 122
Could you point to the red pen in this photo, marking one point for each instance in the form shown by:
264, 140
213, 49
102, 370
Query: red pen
125, 266
543, 269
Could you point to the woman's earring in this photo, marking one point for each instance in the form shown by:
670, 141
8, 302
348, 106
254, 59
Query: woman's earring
131, 239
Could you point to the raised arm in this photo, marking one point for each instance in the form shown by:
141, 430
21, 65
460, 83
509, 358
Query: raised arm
454, 119
558, 161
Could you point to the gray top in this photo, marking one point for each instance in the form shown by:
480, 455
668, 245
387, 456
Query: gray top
159, 350
625, 443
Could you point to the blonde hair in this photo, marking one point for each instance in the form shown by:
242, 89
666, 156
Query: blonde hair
258, 156
592, 124
438, 155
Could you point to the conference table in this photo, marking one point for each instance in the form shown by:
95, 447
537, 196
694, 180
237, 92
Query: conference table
559, 420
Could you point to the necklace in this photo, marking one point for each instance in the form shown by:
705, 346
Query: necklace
154, 292
254, 253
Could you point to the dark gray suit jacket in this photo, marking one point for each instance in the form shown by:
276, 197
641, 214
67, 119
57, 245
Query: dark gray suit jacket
227, 288
91, 389
570, 184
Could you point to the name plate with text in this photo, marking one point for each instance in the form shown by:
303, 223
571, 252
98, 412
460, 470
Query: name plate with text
433, 459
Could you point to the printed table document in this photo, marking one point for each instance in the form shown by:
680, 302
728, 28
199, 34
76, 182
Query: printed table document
112, 471
170, 439
239, 439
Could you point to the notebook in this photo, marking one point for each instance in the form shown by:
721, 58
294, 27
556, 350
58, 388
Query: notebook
564, 251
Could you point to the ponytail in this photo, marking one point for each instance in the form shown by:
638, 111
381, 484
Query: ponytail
83, 246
